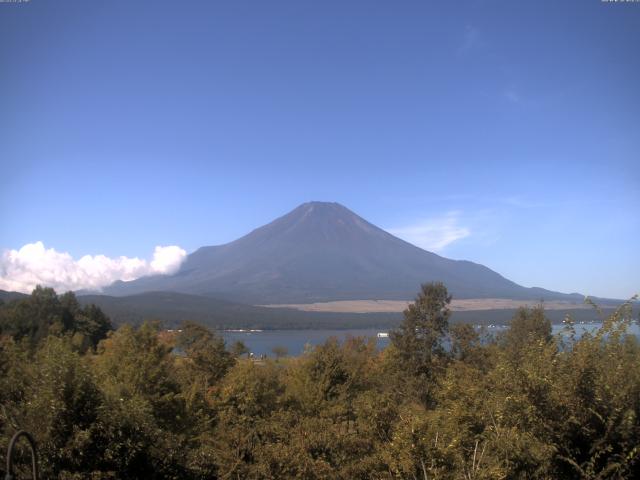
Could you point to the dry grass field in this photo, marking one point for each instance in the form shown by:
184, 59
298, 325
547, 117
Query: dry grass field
387, 306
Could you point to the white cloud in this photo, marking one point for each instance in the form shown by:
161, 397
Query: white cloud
167, 260
434, 233
33, 264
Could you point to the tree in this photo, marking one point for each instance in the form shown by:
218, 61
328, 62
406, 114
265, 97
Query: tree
419, 339
246, 399
62, 408
143, 424
206, 351
92, 324
239, 349
527, 326
45, 313
280, 351
34, 317
467, 345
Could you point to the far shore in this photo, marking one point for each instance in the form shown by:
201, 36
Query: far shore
457, 305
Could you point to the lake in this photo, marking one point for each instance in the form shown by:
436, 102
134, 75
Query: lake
263, 342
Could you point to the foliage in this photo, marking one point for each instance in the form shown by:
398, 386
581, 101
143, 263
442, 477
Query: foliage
44, 313
418, 341
440, 402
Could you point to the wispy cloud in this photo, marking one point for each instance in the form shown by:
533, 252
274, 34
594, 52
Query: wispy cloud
433, 233
519, 201
33, 264
517, 97
512, 96
471, 39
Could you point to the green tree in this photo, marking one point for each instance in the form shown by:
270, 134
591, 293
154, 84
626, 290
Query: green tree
44, 313
248, 397
92, 323
529, 325
34, 317
144, 425
280, 351
418, 341
206, 351
470, 346
64, 408
238, 349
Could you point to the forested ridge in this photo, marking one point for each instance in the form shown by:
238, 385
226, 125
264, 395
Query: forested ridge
441, 402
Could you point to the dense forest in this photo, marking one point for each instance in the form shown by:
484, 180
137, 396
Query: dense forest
442, 401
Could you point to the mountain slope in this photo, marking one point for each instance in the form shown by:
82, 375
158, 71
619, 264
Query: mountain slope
320, 252
8, 296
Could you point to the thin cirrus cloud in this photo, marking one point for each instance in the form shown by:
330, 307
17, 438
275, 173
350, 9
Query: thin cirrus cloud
471, 40
434, 233
512, 96
33, 264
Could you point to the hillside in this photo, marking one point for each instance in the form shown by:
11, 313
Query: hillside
173, 308
8, 296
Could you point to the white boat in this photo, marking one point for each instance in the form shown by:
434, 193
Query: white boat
383, 335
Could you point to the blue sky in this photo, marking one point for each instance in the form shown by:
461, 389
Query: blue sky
507, 133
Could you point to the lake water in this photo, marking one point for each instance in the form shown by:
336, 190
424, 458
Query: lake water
263, 342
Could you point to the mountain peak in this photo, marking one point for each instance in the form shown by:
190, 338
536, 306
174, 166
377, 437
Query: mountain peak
314, 221
322, 251
322, 207
320, 204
